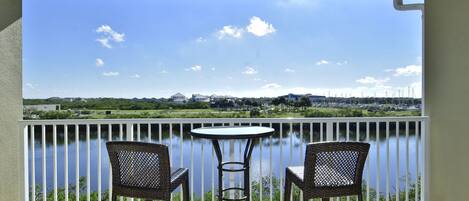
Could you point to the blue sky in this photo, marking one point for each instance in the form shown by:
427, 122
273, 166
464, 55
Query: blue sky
147, 48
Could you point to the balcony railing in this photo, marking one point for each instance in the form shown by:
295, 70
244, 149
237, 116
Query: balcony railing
67, 158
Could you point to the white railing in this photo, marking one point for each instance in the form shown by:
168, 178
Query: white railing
395, 165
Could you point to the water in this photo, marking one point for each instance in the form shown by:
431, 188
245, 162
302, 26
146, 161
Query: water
286, 151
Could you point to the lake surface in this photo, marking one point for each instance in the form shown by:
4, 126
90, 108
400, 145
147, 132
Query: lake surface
286, 150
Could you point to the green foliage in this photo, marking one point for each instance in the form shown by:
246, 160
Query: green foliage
334, 113
256, 192
54, 114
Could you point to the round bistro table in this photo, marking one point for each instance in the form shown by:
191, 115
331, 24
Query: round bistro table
233, 133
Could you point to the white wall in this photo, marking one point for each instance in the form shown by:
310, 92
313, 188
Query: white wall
447, 97
11, 142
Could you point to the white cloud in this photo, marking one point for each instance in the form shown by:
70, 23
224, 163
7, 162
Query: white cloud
107, 34
230, 31
29, 85
163, 72
372, 80
104, 42
194, 68
341, 63
410, 70
271, 86
301, 3
110, 74
322, 62
213, 69
259, 27
200, 40
136, 76
99, 62
289, 70
250, 71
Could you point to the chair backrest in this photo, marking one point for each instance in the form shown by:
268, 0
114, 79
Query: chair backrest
138, 165
335, 168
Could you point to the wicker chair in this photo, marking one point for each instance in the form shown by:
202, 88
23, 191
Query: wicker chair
142, 170
331, 169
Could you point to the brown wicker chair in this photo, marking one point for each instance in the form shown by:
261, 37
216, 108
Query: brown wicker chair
331, 169
142, 170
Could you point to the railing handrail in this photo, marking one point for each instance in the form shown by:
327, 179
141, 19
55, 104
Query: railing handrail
222, 120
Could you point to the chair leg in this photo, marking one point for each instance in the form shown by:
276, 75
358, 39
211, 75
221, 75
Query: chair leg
114, 196
185, 189
288, 185
360, 197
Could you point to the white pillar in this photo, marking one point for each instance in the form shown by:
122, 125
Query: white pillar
11, 135
447, 97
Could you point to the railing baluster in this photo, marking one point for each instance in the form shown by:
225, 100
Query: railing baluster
88, 162
33, 165
417, 186
397, 194
347, 138
337, 128
321, 131
121, 138
25, 157
270, 167
149, 132
54, 141
109, 139
77, 162
368, 164
407, 161
181, 131
260, 169
281, 162
290, 133
66, 161
213, 172
170, 144
121, 132
99, 161
388, 161
181, 142
250, 173
202, 168
160, 137
301, 153
378, 164
192, 166
44, 178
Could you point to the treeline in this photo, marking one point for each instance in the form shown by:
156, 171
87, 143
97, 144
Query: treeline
116, 104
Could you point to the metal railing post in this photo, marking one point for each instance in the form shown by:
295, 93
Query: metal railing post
329, 131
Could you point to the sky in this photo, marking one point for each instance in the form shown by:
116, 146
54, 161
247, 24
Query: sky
244, 48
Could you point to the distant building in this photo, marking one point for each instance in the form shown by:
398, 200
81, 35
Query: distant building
44, 108
293, 97
178, 98
215, 97
200, 98
296, 97
316, 98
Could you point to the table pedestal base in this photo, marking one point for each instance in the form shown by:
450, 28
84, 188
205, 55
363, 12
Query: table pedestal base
245, 168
